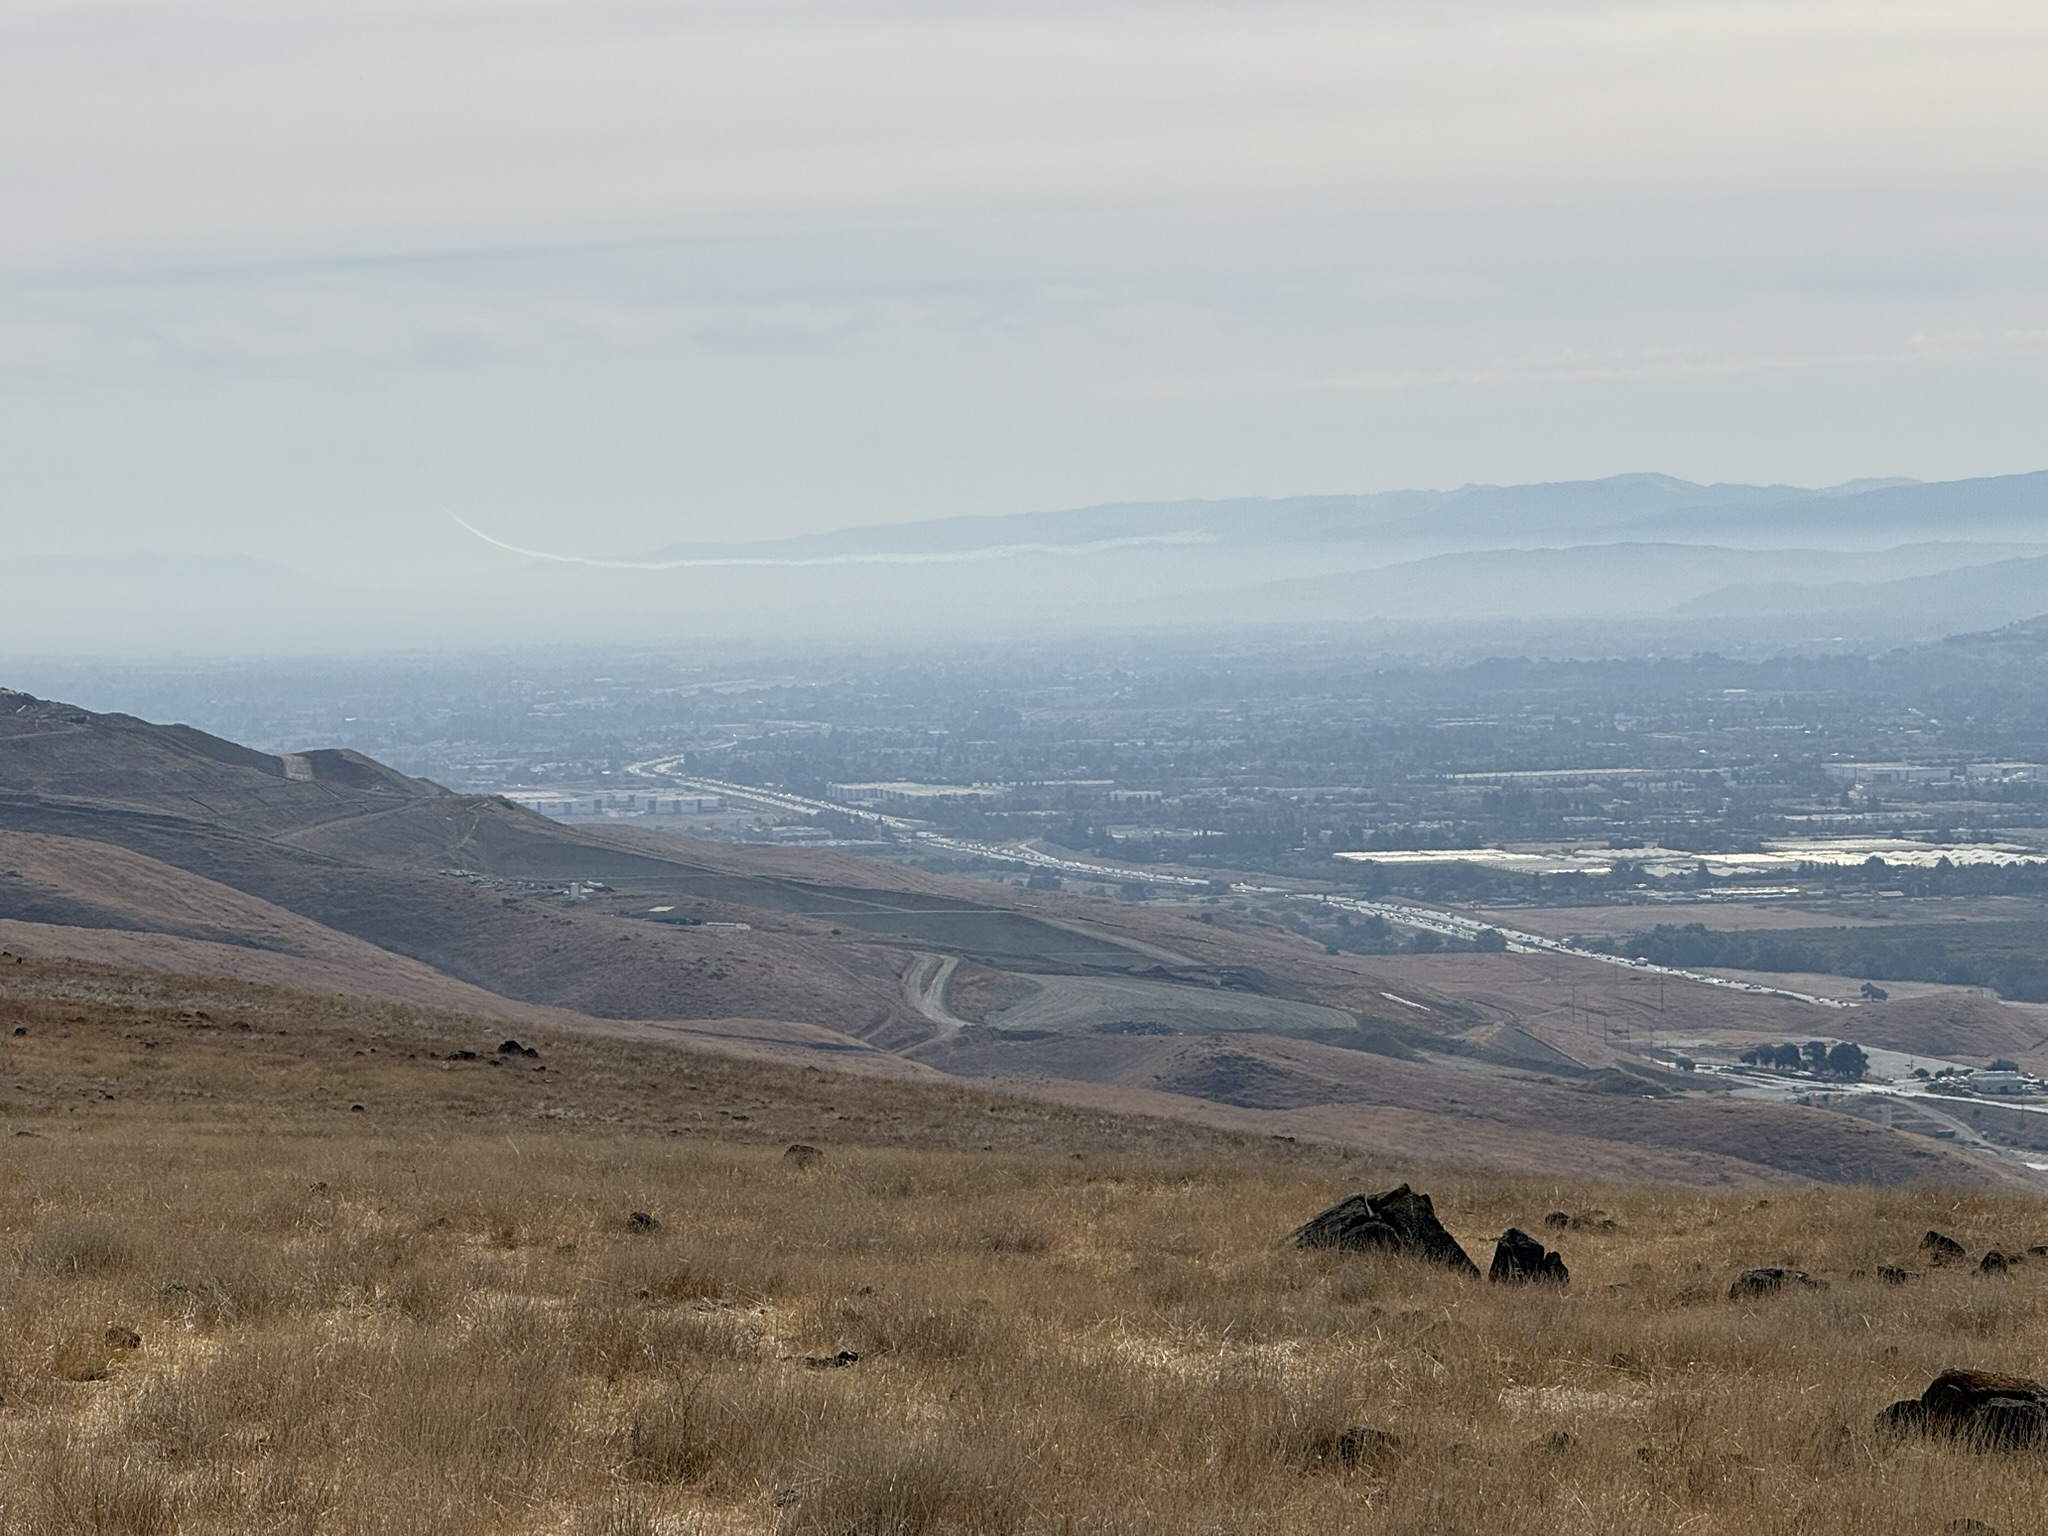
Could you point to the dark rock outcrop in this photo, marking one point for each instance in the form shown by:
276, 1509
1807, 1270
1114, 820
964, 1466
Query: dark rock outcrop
1940, 1248
1398, 1221
1769, 1281
1993, 1263
1518, 1257
1989, 1411
640, 1221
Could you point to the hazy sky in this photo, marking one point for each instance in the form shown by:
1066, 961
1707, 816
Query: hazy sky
297, 280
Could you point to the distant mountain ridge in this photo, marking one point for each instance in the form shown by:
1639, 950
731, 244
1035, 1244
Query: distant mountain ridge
1714, 561
1639, 507
1714, 565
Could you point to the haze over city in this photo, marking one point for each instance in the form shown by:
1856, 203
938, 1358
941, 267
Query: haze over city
1023, 769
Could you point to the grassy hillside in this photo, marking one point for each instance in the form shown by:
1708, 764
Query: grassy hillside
158, 846
234, 1301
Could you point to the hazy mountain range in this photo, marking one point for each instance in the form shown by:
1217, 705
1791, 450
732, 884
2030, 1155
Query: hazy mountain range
1882, 561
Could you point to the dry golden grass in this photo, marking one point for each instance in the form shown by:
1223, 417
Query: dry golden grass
437, 1318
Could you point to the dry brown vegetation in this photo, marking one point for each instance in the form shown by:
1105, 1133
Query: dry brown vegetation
435, 1315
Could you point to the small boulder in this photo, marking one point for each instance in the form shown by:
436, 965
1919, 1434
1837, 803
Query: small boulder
640, 1221
1892, 1274
801, 1157
1400, 1221
1769, 1281
1940, 1248
1519, 1258
1557, 1221
1993, 1263
1989, 1411
838, 1362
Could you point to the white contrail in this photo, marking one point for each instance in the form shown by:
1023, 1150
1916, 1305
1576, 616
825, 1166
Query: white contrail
934, 557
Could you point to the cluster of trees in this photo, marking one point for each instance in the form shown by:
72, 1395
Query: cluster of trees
1842, 1060
1475, 882
1941, 878
2007, 957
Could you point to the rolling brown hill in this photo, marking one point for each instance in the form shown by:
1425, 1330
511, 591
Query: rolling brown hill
331, 840
162, 848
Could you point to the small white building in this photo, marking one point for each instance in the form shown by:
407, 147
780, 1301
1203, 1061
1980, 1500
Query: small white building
2000, 1082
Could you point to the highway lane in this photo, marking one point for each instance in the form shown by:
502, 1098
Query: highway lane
1456, 925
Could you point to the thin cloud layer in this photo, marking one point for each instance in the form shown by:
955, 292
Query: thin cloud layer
280, 280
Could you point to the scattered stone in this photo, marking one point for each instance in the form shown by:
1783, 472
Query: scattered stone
1993, 1263
1400, 1221
1940, 1248
1557, 1221
122, 1338
2038, 1250
838, 1362
356, 1109
1892, 1274
1991, 1412
640, 1221
514, 1048
1965, 1526
1519, 1258
801, 1157
1769, 1281
21, 1029
461, 1056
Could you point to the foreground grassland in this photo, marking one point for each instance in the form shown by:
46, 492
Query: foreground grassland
232, 1303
